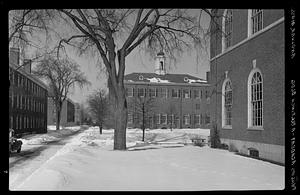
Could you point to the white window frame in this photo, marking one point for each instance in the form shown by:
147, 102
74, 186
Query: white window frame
166, 117
177, 93
197, 91
157, 121
250, 109
224, 125
186, 116
164, 92
130, 116
143, 89
151, 92
188, 93
197, 116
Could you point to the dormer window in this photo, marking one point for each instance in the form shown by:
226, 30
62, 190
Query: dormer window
161, 65
185, 79
141, 77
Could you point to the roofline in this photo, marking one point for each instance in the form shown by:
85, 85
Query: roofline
36, 80
176, 84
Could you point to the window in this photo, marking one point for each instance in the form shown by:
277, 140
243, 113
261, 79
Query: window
228, 28
171, 119
207, 119
197, 106
152, 92
197, 119
186, 93
175, 93
256, 20
157, 118
164, 92
227, 103
141, 92
186, 119
163, 119
196, 94
130, 119
255, 99
206, 94
17, 122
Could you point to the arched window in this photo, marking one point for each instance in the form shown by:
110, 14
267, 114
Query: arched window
227, 29
161, 65
227, 104
255, 99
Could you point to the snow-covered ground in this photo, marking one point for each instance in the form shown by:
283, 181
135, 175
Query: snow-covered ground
165, 161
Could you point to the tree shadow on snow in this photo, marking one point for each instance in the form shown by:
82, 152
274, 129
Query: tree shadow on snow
139, 148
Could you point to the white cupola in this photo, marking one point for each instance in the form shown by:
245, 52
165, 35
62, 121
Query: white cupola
160, 66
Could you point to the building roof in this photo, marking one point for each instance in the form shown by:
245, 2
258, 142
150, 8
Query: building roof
28, 75
167, 78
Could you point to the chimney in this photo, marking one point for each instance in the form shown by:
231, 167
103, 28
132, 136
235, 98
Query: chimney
27, 65
14, 56
208, 76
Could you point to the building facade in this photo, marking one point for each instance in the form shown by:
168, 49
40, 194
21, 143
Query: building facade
67, 117
247, 81
177, 100
27, 98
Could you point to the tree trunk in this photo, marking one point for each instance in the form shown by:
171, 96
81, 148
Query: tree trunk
58, 112
120, 125
100, 129
143, 134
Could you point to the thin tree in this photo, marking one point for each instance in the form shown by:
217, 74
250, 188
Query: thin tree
61, 75
114, 34
98, 106
142, 108
171, 111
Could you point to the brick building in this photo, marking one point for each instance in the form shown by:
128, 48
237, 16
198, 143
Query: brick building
67, 117
27, 97
247, 81
180, 100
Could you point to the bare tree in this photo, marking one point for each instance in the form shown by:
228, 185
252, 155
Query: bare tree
25, 24
142, 108
98, 106
61, 75
116, 33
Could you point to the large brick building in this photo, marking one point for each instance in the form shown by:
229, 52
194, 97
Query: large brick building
247, 80
67, 117
27, 97
180, 100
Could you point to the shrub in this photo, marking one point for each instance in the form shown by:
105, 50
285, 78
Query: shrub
232, 148
215, 137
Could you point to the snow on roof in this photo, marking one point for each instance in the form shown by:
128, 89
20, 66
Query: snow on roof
157, 80
196, 81
167, 78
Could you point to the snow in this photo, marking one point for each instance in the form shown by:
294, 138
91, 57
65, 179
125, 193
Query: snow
165, 161
157, 80
196, 81
52, 135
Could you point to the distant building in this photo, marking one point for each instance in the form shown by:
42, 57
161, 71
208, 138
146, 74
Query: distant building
77, 114
27, 97
67, 117
247, 81
179, 99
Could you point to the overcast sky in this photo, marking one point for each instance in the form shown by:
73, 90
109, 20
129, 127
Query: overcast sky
138, 61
